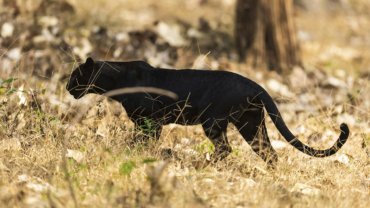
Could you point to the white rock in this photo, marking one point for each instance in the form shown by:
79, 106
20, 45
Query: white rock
7, 30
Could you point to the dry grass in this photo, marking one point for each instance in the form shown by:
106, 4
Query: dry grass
48, 160
98, 172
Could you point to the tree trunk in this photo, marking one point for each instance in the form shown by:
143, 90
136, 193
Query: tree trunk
265, 34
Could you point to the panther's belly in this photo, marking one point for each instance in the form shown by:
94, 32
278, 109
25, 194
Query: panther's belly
189, 112
166, 115
185, 116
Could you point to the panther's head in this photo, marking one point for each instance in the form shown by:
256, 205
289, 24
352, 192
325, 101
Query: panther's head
89, 77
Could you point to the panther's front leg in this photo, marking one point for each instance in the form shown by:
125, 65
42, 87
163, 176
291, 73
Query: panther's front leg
216, 132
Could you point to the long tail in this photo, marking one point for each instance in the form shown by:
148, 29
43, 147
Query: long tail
274, 114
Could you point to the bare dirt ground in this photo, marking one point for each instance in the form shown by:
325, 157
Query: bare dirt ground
55, 153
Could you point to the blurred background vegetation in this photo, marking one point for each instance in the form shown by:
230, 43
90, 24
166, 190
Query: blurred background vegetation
45, 36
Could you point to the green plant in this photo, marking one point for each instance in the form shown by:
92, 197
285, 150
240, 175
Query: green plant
205, 147
127, 167
6, 86
148, 126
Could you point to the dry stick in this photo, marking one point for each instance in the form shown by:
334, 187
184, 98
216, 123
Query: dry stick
130, 90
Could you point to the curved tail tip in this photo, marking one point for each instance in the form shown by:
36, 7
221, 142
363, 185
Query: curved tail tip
344, 128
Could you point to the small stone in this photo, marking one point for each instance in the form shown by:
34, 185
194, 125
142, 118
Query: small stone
7, 30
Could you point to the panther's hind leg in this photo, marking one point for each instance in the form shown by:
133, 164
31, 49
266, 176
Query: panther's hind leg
216, 131
252, 127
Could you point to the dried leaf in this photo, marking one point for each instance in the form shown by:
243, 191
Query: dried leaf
23, 178
102, 130
332, 82
3, 167
345, 53
280, 88
342, 158
208, 181
12, 144
21, 96
78, 156
305, 189
277, 144
171, 33
15, 54
200, 62
84, 49
245, 181
48, 21
38, 187
7, 30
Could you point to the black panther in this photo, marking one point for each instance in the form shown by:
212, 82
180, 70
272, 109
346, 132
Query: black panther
210, 98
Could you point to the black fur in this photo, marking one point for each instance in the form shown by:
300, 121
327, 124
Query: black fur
210, 98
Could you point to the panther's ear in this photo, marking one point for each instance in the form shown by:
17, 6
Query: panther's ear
89, 62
